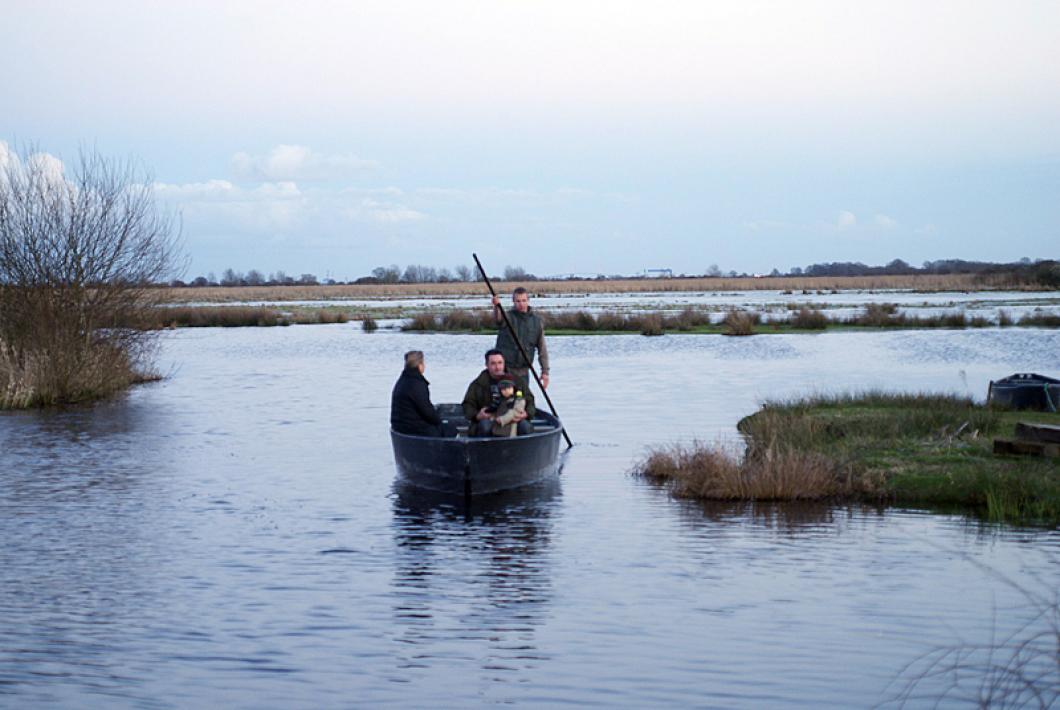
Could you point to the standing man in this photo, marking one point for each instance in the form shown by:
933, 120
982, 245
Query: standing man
411, 411
531, 331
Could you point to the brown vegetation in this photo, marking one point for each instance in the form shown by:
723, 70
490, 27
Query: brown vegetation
809, 284
775, 473
739, 322
79, 250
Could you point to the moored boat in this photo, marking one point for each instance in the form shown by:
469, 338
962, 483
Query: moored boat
1025, 390
478, 465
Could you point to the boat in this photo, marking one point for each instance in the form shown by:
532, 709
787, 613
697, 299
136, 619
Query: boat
1025, 390
470, 466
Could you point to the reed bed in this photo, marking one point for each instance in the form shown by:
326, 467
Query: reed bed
808, 284
239, 316
715, 473
78, 372
875, 447
736, 322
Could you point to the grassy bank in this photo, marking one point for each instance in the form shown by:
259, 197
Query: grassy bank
733, 322
904, 449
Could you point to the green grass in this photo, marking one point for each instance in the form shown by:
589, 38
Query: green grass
919, 449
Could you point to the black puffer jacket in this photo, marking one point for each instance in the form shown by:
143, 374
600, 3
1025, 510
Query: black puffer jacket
411, 411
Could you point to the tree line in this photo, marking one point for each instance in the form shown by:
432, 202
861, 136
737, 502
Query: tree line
1040, 271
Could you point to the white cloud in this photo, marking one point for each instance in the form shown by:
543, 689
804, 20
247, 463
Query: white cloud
885, 222
847, 220
296, 162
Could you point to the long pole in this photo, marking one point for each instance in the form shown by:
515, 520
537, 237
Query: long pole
522, 350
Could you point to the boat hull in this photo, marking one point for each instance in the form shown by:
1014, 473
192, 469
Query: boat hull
1025, 391
479, 465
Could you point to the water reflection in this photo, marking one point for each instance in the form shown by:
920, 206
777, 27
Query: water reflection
493, 554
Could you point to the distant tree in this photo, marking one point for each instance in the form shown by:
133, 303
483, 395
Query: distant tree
307, 280
387, 274
231, 278
517, 273
463, 273
80, 250
254, 278
796, 271
444, 275
713, 270
417, 274
200, 281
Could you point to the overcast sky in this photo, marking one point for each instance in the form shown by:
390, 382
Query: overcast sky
333, 137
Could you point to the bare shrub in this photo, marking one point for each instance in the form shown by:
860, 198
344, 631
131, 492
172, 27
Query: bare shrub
81, 251
740, 322
422, 321
880, 315
651, 324
369, 324
809, 319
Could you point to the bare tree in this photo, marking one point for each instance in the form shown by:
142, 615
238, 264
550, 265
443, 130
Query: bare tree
81, 253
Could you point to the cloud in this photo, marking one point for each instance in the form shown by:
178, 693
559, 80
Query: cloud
847, 220
884, 222
298, 163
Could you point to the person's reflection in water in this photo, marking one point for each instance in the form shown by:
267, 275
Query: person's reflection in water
464, 577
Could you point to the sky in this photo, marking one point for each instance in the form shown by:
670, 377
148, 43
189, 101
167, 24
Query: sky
561, 137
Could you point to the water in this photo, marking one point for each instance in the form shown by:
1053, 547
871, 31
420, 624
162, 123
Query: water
232, 536
777, 304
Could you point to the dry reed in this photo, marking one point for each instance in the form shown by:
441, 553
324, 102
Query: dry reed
807, 284
739, 322
711, 472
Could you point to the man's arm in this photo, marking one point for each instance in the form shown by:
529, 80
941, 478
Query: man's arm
498, 317
542, 354
470, 404
421, 399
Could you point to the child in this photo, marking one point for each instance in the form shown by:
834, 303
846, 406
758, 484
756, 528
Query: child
511, 402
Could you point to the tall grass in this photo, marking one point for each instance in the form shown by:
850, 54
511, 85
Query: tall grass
739, 322
776, 473
238, 316
68, 375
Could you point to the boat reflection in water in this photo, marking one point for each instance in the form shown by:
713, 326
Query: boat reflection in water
472, 580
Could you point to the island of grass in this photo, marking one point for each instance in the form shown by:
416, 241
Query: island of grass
916, 450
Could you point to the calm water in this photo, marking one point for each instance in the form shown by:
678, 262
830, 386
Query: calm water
231, 535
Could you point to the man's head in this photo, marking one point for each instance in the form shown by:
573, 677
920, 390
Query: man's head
495, 363
414, 360
506, 388
521, 299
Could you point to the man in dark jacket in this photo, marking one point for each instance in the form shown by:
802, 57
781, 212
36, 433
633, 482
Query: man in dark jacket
411, 411
531, 331
483, 396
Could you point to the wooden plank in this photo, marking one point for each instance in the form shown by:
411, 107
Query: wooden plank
1019, 447
1031, 431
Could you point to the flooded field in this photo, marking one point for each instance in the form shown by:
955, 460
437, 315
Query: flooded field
232, 536
987, 304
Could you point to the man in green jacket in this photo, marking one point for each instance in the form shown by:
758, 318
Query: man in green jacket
531, 331
483, 396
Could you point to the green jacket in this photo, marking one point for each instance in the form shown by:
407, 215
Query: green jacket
482, 392
531, 332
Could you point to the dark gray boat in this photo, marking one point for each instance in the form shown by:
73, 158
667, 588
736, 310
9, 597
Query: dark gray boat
1025, 390
471, 466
